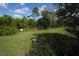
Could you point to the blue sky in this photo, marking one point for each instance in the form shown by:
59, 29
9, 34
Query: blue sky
22, 9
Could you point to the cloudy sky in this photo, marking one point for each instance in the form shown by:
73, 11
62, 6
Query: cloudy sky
22, 9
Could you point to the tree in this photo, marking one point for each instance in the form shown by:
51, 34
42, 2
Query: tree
18, 23
46, 19
7, 19
68, 11
24, 22
68, 15
31, 23
6, 25
35, 12
2, 22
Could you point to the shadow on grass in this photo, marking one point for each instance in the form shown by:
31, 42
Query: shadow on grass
50, 44
73, 31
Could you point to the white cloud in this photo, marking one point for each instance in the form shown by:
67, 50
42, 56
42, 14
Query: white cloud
3, 5
22, 10
43, 7
22, 4
17, 16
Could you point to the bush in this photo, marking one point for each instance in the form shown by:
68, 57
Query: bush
7, 30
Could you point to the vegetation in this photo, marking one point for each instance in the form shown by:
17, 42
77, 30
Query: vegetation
21, 43
54, 33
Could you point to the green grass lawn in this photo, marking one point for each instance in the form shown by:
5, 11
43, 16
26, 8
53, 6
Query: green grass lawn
20, 43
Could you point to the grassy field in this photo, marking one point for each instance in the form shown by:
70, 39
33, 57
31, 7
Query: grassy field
20, 43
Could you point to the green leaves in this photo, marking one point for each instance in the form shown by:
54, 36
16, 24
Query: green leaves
35, 11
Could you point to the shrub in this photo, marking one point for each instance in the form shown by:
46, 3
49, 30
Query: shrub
7, 30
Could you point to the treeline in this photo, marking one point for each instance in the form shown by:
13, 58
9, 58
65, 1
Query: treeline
10, 25
64, 15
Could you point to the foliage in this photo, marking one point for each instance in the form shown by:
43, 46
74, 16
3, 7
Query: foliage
35, 11
68, 14
6, 30
31, 23
6, 25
